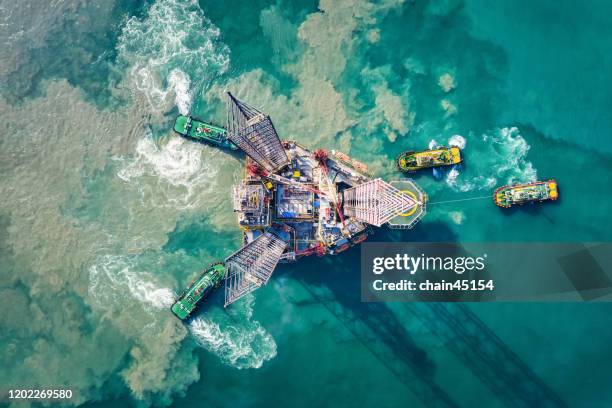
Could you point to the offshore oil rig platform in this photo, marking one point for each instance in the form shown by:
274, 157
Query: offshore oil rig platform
292, 203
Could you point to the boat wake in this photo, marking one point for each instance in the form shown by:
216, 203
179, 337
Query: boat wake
511, 149
175, 169
457, 141
169, 49
240, 341
114, 278
179, 83
502, 160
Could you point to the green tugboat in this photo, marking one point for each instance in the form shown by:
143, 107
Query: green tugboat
198, 130
209, 280
441, 156
519, 194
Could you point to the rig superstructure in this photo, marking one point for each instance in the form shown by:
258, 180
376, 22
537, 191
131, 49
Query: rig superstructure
294, 202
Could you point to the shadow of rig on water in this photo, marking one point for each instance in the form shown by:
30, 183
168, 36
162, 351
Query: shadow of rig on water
378, 328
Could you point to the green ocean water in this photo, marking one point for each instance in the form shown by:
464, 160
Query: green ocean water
105, 215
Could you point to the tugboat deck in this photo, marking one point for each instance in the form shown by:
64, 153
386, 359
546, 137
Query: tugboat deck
507, 196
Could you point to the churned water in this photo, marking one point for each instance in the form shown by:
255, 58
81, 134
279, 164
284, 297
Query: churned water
105, 215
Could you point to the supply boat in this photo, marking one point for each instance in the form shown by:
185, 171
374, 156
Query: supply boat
198, 130
519, 194
199, 289
440, 156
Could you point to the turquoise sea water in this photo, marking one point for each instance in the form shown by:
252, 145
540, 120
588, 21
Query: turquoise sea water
105, 215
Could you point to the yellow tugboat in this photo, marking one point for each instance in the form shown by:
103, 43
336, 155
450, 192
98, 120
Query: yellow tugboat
440, 156
519, 194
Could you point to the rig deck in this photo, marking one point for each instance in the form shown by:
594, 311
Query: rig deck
294, 202
320, 204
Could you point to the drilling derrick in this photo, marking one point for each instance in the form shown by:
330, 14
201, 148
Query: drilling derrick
251, 266
376, 202
294, 202
253, 132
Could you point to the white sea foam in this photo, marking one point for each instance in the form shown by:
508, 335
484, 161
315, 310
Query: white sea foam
113, 277
452, 175
502, 159
173, 38
458, 141
512, 150
179, 83
175, 162
177, 166
240, 342
145, 291
146, 82
455, 140
464, 185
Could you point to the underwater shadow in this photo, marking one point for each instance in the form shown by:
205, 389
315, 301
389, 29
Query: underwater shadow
335, 283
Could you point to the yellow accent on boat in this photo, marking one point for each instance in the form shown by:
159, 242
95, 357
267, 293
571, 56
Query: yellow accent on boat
455, 155
269, 185
297, 174
552, 186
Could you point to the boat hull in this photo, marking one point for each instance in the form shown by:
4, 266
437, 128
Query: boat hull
196, 129
519, 194
198, 291
442, 156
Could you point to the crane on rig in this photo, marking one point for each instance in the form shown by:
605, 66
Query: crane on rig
293, 202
